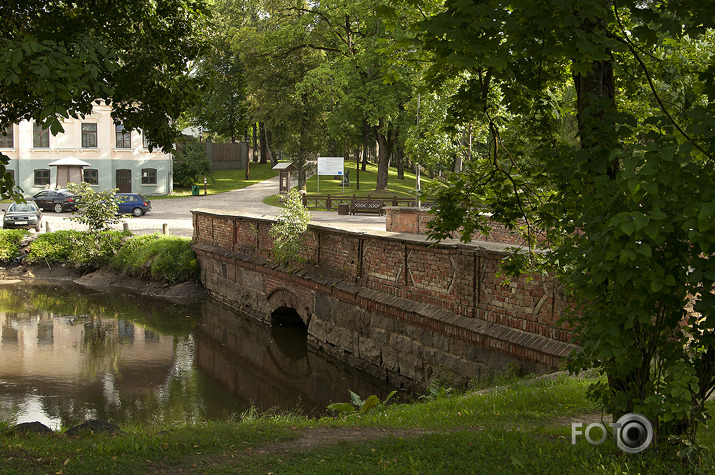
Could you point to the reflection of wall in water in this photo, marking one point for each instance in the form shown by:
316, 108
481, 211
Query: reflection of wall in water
241, 353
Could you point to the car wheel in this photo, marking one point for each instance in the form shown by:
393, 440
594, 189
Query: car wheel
58, 208
137, 212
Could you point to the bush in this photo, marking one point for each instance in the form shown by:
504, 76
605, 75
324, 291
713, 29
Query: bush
190, 162
10, 243
167, 258
288, 230
76, 248
97, 209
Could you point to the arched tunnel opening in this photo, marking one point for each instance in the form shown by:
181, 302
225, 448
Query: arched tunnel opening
289, 333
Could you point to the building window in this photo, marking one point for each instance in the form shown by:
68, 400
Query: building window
6, 138
91, 176
124, 137
145, 144
149, 176
40, 136
89, 135
42, 177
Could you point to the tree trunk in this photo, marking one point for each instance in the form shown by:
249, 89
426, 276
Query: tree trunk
399, 158
365, 131
385, 143
269, 148
595, 105
262, 133
255, 143
458, 160
302, 149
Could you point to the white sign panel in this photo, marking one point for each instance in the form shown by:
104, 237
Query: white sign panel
330, 165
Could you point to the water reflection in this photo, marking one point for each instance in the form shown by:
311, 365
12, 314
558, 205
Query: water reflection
68, 354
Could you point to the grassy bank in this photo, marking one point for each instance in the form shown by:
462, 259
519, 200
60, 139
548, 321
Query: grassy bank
154, 256
518, 428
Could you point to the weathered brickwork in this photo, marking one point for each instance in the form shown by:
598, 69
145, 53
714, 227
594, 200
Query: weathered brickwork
416, 221
397, 306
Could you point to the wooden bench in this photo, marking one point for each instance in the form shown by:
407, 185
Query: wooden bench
366, 207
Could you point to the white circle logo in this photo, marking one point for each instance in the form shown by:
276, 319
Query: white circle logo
634, 433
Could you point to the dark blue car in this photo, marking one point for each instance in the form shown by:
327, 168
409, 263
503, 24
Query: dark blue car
132, 203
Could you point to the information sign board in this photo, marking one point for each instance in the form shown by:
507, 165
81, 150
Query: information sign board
330, 165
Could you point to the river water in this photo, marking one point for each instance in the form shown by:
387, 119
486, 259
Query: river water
68, 354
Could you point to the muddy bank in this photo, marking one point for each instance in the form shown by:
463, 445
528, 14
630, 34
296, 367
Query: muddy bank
102, 279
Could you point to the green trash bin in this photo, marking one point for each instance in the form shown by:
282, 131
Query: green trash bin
195, 190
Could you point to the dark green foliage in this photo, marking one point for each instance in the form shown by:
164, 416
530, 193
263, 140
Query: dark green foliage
223, 108
58, 58
163, 258
190, 164
628, 201
10, 243
166, 258
76, 248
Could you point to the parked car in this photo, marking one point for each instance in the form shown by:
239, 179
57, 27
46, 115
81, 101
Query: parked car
56, 200
132, 203
23, 216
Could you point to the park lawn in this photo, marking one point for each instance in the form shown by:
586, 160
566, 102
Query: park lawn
368, 180
220, 181
517, 427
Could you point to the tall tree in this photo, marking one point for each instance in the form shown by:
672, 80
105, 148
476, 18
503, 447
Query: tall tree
58, 58
628, 201
222, 109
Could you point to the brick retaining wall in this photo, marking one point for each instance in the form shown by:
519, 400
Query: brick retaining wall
391, 304
416, 221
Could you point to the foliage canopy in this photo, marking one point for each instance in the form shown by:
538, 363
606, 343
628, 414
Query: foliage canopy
600, 119
58, 58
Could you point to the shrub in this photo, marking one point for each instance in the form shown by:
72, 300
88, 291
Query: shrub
76, 247
132, 257
10, 243
97, 209
287, 231
167, 258
190, 162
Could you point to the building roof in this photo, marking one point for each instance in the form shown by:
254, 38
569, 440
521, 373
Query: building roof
288, 166
68, 162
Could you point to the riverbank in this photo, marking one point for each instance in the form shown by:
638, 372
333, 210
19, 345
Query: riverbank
104, 280
521, 427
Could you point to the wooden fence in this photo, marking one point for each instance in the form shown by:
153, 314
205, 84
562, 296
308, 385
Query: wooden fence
227, 156
331, 202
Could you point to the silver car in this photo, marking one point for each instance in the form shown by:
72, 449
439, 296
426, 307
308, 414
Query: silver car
22, 216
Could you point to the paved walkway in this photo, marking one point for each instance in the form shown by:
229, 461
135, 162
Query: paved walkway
176, 213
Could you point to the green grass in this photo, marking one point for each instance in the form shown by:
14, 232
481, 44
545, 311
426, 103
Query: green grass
164, 258
518, 428
220, 181
368, 180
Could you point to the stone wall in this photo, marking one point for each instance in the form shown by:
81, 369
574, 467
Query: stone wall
397, 306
